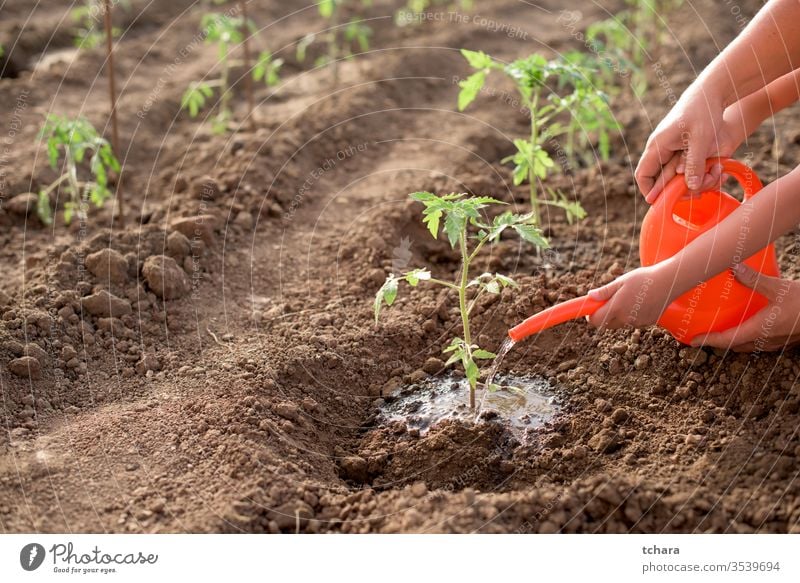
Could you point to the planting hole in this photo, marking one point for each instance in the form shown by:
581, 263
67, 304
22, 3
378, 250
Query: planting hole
422, 406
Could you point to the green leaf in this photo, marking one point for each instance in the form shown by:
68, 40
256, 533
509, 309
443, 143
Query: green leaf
454, 225
43, 210
532, 234
477, 59
417, 275
471, 371
326, 8
481, 354
390, 291
470, 87
505, 281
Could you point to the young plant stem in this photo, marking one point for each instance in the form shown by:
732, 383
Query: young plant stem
74, 184
462, 306
225, 95
248, 80
112, 92
332, 48
56, 183
531, 173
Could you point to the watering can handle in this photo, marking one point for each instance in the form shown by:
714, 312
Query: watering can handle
746, 176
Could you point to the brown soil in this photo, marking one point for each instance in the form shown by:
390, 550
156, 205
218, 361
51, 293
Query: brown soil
249, 402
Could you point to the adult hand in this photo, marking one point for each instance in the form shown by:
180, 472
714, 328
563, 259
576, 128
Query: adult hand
775, 327
697, 128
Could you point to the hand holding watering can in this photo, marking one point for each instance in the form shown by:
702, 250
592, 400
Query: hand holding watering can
673, 222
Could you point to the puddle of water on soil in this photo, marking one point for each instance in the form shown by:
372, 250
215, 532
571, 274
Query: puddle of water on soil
423, 406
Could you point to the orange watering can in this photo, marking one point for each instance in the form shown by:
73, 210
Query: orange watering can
672, 223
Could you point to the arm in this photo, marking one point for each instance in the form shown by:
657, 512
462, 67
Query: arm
767, 49
747, 114
756, 223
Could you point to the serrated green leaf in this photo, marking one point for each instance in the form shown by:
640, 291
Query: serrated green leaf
481, 354
533, 235
454, 225
477, 59
470, 87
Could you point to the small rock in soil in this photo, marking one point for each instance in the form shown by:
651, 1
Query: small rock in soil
178, 246
108, 265
417, 376
607, 441
433, 365
22, 204
194, 228
106, 304
642, 362
288, 410
35, 351
419, 489
245, 220
206, 188
26, 367
165, 277
149, 362
354, 468
287, 516
620, 416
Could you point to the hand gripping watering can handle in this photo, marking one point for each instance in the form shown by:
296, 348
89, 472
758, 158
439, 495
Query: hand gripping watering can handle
558, 314
747, 178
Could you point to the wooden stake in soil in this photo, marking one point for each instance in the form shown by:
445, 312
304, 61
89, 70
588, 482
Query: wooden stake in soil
112, 92
248, 79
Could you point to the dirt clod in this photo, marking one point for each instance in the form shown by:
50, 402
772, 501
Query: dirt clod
108, 265
26, 367
165, 277
104, 303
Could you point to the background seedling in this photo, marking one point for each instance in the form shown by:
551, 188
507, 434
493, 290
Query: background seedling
89, 32
112, 97
74, 140
340, 40
531, 77
225, 31
412, 8
228, 31
612, 39
462, 220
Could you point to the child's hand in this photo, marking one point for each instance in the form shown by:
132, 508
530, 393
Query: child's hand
635, 299
730, 136
776, 327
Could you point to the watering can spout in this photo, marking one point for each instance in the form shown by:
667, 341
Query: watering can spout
558, 314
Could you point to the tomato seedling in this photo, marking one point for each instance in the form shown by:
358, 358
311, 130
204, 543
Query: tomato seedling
89, 32
464, 223
414, 10
340, 39
612, 39
531, 75
225, 31
74, 139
